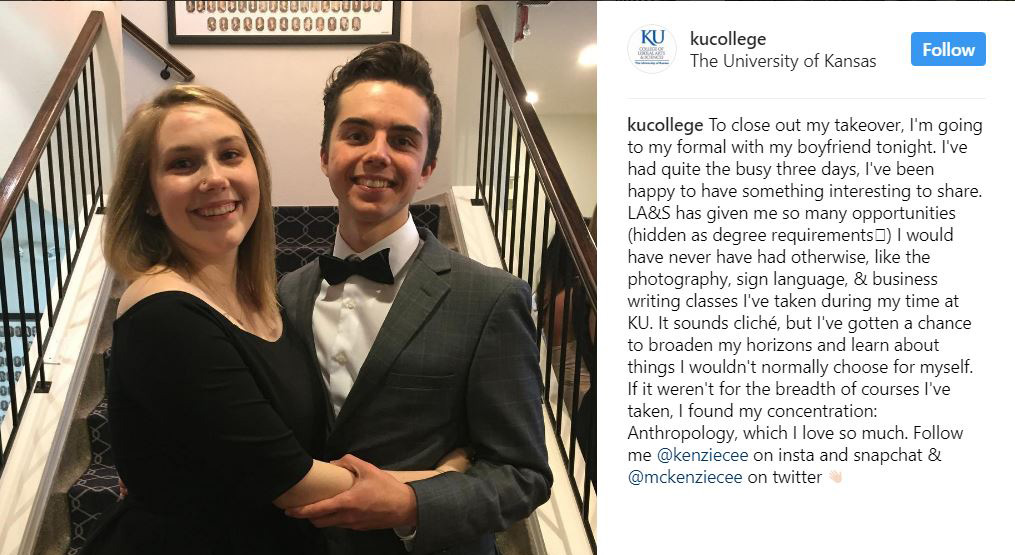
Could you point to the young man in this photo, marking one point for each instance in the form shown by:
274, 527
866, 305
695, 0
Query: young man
421, 349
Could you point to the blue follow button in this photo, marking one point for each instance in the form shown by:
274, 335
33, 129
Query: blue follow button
949, 49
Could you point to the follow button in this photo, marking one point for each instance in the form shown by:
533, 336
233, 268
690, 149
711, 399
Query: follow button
949, 49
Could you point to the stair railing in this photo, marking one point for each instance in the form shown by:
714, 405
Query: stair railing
48, 196
543, 239
158, 50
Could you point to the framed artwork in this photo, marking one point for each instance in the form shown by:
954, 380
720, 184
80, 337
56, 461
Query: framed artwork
282, 22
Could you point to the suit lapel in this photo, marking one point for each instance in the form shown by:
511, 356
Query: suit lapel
301, 314
420, 293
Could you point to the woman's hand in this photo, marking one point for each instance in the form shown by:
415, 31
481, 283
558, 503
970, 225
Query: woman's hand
457, 461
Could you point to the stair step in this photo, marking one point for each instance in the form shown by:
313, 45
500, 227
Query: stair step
93, 493
99, 434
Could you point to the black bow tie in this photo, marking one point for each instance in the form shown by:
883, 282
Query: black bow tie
375, 267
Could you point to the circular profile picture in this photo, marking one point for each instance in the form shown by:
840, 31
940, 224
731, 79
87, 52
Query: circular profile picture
259, 23
283, 7
336, 5
262, 6
651, 48
367, 6
305, 6
272, 6
319, 24
235, 24
332, 24
356, 24
325, 6
346, 5
308, 24
294, 6
271, 24
355, 5
343, 24
252, 6
378, 5
315, 6
201, 6
230, 5
211, 24
190, 6
242, 6
283, 24
295, 24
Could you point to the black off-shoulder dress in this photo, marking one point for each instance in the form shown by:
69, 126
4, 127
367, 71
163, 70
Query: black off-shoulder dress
209, 425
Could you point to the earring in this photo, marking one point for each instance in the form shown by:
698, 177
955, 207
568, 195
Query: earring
151, 211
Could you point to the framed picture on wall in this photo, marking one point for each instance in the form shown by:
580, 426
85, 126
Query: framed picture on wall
282, 22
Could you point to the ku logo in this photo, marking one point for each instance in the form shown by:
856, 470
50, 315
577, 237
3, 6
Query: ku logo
653, 37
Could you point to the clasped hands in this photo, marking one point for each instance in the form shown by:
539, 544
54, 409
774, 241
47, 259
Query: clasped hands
377, 499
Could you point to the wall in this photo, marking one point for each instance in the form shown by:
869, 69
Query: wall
35, 38
279, 88
574, 143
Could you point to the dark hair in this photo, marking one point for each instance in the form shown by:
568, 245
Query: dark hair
387, 61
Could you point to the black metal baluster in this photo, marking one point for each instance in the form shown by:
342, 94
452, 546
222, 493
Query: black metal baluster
514, 200
565, 323
63, 196
12, 410
478, 200
73, 184
500, 167
45, 248
532, 240
20, 277
52, 206
507, 191
81, 159
525, 204
95, 115
88, 133
491, 137
36, 309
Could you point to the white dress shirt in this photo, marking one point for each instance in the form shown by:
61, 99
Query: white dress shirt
348, 316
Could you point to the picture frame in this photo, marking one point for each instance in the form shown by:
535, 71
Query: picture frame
283, 21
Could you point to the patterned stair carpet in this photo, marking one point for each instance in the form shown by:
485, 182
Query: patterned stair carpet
97, 489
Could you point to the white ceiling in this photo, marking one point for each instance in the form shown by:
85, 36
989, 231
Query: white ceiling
547, 59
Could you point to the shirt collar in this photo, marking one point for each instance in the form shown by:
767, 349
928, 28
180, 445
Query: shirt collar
403, 242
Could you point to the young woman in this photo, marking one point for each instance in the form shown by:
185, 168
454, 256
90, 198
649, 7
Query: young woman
215, 406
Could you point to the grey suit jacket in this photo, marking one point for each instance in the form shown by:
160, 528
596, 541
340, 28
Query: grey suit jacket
455, 364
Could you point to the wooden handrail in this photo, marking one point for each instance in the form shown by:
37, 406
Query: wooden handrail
27, 157
157, 49
558, 193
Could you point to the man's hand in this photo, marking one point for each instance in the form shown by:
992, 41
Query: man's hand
375, 501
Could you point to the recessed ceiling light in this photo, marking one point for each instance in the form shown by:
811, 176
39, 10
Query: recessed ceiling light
532, 97
587, 56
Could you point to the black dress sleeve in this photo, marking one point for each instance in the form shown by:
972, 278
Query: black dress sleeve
179, 358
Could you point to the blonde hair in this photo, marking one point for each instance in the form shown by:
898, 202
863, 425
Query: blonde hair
135, 242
